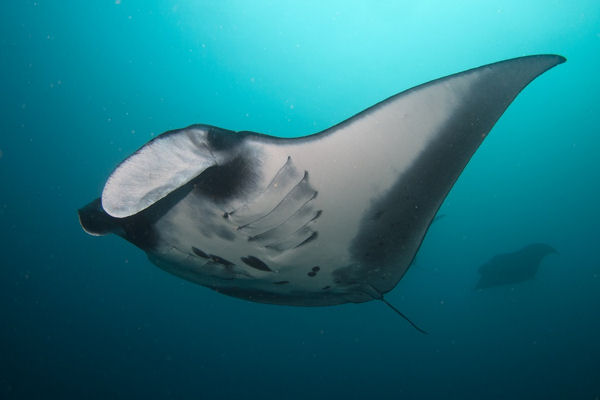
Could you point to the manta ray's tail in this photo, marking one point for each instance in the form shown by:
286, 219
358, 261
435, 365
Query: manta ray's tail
376, 294
403, 316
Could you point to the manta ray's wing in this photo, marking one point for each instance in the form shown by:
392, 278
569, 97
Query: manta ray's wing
329, 218
389, 168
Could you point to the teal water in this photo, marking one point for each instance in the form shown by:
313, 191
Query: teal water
86, 83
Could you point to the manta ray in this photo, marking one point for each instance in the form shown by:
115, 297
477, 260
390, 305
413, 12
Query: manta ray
328, 218
515, 267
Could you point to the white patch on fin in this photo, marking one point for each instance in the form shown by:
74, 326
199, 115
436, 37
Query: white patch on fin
155, 170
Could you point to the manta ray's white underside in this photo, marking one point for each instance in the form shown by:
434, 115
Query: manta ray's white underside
324, 219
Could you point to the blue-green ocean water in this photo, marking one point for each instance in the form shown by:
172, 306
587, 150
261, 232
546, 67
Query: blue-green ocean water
86, 83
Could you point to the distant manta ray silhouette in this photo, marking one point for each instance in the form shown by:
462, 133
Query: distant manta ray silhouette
324, 219
515, 267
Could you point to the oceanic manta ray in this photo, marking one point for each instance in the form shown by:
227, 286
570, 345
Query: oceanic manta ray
324, 219
515, 267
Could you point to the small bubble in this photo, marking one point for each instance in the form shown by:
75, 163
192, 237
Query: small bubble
117, 2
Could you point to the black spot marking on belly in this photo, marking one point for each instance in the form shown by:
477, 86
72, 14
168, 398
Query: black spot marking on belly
256, 263
312, 274
326, 287
312, 237
221, 260
281, 282
316, 268
199, 252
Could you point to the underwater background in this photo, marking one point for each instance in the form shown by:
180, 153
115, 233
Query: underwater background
84, 84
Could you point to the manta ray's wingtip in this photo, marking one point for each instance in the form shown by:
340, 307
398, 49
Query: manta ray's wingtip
558, 59
541, 62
